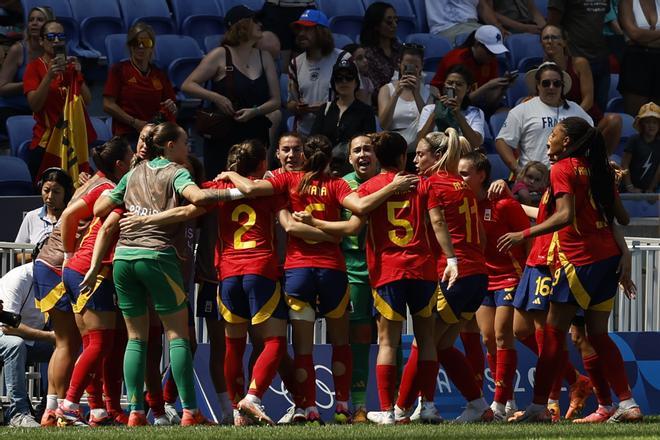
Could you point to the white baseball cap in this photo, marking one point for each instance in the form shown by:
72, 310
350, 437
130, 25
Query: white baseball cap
491, 37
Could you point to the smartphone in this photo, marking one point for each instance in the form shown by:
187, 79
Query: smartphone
410, 69
60, 53
450, 92
512, 75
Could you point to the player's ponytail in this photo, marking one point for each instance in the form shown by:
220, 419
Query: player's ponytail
105, 156
245, 158
159, 136
318, 154
446, 145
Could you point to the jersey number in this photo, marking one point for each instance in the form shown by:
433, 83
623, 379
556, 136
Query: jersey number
238, 235
543, 284
399, 223
311, 208
466, 209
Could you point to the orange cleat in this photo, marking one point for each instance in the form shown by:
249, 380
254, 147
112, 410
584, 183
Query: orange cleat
49, 418
194, 418
579, 392
119, 417
601, 415
137, 418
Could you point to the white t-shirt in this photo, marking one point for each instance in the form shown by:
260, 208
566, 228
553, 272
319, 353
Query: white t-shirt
406, 114
443, 14
17, 295
34, 227
473, 115
529, 124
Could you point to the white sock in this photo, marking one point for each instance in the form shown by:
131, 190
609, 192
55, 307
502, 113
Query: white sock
498, 407
628, 403
550, 401
225, 404
98, 413
59, 401
252, 398
479, 404
70, 405
51, 401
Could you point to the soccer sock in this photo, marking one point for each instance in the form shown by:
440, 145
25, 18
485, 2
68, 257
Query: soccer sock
170, 391
88, 367
234, 376
181, 362
156, 402
93, 386
342, 361
460, 372
112, 371
305, 387
530, 342
538, 334
386, 381
549, 363
555, 390
475, 355
265, 367
507, 359
135, 359
360, 377
51, 401
596, 373
570, 372
615, 372
428, 373
492, 364
409, 386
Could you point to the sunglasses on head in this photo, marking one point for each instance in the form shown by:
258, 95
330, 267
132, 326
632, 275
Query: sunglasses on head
145, 42
344, 78
59, 36
554, 82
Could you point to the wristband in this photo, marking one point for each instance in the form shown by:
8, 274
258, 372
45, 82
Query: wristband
68, 255
452, 261
526, 233
235, 194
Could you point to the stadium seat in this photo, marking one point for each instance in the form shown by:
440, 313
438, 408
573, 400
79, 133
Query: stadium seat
284, 88
517, 90
341, 40
489, 141
420, 15
435, 47
15, 177
345, 17
152, 12
212, 41
529, 63
115, 48
614, 83
627, 130
615, 105
103, 133
496, 122
178, 71
19, 130
641, 208
542, 6
23, 150
498, 169
198, 18
226, 5
523, 46
171, 47
96, 20
407, 21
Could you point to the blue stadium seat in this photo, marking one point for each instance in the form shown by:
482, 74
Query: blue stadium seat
498, 169
341, 40
420, 14
614, 82
517, 90
178, 71
103, 133
615, 105
15, 177
345, 17
529, 63
198, 18
523, 46
171, 47
435, 47
153, 12
542, 6
115, 48
19, 130
404, 10
226, 5
23, 150
489, 141
211, 42
642, 208
96, 20
627, 130
284, 88
496, 122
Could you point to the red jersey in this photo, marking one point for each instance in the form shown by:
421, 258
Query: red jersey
246, 239
500, 217
456, 199
482, 73
398, 244
322, 199
589, 239
138, 94
539, 252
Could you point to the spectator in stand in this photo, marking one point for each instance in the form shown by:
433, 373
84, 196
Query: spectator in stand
277, 16
478, 53
518, 16
640, 69
359, 57
451, 18
554, 43
56, 189
310, 72
382, 48
401, 101
453, 109
583, 21
529, 124
137, 91
641, 156
246, 92
531, 183
27, 342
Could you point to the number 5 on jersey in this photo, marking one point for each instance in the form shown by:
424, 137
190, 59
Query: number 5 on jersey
393, 234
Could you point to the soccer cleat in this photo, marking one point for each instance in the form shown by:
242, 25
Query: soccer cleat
342, 414
162, 420
254, 411
292, 415
137, 418
96, 422
533, 414
49, 418
555, 411
499, 412
416, 414
194, 418
172, 414
312, 416
241, 419
472, 414
402, 416
601, 415
69, 417
360, 415
381, 417
510, 409
627, 415
227, 420
429, 414
119, 417
579, 392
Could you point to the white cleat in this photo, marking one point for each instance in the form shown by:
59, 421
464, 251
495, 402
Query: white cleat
429, 414
381, 417
475, 413
172, 414
511, 408
162, 420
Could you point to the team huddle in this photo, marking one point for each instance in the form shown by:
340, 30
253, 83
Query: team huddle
455, 251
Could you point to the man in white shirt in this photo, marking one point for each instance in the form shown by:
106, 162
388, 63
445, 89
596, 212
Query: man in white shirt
450, 18
22, 344
529, 124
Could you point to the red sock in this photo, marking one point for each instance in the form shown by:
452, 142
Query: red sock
88, 368
409, 386
386, 381
474, 353
530, 342
342, 354
428, 373
596, 373
555, 390
460, 372
570, 372
492, 364
170, 391
266, 365
549, 363
507, 359
94, 388
113, 371
306, 389
234, 376
538, 334
614, 369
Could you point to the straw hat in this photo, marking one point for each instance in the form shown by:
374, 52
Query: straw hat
648, 110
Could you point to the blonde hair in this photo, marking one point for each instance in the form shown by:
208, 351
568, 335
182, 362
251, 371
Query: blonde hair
538, 166
447, 145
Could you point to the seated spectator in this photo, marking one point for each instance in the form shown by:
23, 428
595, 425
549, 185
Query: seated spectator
401, 101
26, 343
137, 91
382, 48
56, 189
359, 57
531, 183
640, 69
453, 109
529, 124
641, 156
518, 16
478, 53
309, 72
555, 48
451, 18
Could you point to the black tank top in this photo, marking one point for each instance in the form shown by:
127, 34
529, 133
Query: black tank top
246, 93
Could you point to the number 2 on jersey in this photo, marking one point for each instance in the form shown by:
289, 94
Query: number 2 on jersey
399, 223
466, 209
238, 234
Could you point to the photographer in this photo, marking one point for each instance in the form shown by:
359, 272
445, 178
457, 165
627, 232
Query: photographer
21, 341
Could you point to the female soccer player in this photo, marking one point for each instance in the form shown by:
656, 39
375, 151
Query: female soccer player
589, 259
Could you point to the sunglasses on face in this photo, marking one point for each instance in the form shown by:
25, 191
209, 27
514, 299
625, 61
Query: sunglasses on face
554, 82
52, 36
551, 38
344, 78
143, 42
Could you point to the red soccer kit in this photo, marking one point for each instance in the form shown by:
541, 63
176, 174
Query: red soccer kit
456, 199
397, 238
322, 199
500, 217
246, 239
589, 239
539, 252
138, 94
482, 73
